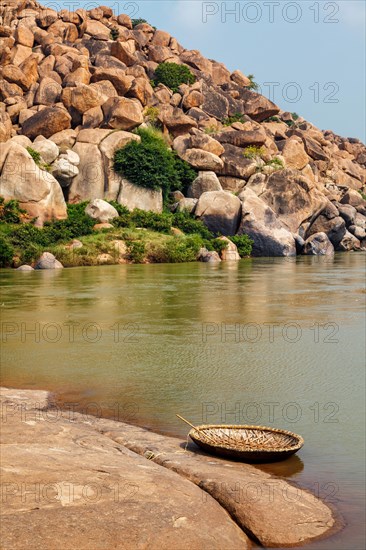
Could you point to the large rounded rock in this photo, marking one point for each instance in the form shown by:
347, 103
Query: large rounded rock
108, 146
206, 143
318, 245
89, 183
123, 113
203, 160
48, 261
294, 154
235, 164
259, 222
186, 205
349, 242
38, 191
347, 212
258, 107
135, 196
121, 82
205, 181
230, 253
294, 198
101, 210
46, 122
46, 148
64, 171
242, 138
220, 211
334, 228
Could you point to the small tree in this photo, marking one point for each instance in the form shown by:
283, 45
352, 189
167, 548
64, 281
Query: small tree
173, 75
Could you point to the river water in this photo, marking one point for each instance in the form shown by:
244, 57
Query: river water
277, 342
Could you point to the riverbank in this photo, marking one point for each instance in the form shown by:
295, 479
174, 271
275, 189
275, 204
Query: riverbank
78, 481
85, 238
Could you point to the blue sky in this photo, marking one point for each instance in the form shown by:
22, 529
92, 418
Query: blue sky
310, 55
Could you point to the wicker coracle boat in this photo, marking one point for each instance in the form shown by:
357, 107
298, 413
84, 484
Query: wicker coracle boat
245, 443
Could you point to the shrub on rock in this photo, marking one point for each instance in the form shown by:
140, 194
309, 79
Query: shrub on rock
173, 75
150, 163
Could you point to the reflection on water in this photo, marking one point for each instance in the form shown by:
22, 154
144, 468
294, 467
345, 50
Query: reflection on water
276, 342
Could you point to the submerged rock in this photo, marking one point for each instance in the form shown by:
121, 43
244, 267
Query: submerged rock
318, 245
48, 261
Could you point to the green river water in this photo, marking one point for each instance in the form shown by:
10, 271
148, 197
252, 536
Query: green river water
277, 342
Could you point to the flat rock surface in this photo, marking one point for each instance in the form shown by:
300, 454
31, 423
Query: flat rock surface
65, 485
94, 483
269, 508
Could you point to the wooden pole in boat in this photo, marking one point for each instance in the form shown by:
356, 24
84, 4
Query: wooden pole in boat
197, 429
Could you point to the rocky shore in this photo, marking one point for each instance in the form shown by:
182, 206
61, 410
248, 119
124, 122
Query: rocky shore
75, 86
76, 481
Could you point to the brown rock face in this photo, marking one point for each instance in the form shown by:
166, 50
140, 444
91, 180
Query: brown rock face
241, 138
205, 181
203, 160
214, 103
294, 154
220, 211
293, 198
121, 82
46, 122
15, 75
235, 164
48, 92
89, 183
122, 52
258, 107
270, 237
318, 245
123, 113
176, 121
37, 191
334, 228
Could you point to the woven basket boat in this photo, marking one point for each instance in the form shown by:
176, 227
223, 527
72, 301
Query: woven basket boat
246, 443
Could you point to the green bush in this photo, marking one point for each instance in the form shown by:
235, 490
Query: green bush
183, 249
6, 253
237, 117
135, 251
31, 253
26, 235
76, 225
219, 245
151, 113
162, 223
186, 223
38, 159
276, 163
243, 243
253, 151
152, 164
185, 173
138, 21
10, 211
173, 75
273, 119
253, 85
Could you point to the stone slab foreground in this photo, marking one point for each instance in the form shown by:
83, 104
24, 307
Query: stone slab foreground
94, 483
64, 485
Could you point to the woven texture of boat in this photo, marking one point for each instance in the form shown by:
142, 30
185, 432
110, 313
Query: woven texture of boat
247, 443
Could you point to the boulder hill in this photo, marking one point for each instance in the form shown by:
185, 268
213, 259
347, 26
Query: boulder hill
73, 87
